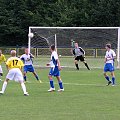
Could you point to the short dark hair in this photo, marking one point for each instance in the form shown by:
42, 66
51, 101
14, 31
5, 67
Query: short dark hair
52, 47
108, 45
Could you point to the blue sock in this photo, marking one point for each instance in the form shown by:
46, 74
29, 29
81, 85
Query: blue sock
25, 78
37, 77
107, 78
51, 84
60, 84
113, 80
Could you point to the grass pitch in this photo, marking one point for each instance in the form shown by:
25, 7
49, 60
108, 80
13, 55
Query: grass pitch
85, 98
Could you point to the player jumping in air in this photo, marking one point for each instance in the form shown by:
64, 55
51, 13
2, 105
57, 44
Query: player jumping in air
55, 70
14, 66
2, 59
79, 54
28, 64
109, 64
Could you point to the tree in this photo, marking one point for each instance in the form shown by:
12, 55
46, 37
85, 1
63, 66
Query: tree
17, 15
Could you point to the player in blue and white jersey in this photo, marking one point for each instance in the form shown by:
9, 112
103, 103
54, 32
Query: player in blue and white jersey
28, 64
54, 70
109, 64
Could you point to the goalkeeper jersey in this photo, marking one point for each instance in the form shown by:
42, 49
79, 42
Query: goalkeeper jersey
78, 51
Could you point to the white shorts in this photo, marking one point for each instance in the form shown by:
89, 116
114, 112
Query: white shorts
15, 74
1, 71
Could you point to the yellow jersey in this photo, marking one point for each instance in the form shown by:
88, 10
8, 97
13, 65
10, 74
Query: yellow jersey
2, 58
14, 62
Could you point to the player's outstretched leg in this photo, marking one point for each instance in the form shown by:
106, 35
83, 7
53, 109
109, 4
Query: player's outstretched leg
1, 74
113, 78
60, 84
36, 76
108, 79
76, 64
24, 89
52, 88
4, 86
86, 65
25, 78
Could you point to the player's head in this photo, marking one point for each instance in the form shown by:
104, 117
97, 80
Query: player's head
26, 51
13, 53
52, 47
76, 45
108, 46
0, 52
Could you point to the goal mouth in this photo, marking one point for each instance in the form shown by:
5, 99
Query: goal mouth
91, 39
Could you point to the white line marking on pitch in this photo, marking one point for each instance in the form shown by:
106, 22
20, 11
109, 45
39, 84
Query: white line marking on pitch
75, 84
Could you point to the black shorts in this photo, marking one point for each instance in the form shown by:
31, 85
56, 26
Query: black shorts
81, 58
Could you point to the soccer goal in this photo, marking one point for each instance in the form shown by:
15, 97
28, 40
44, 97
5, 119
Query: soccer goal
91, 39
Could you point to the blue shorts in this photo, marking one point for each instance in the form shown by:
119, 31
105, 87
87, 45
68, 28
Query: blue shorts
109, 67
54, 71
28, 68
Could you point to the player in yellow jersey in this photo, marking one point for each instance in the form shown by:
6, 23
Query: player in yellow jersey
2, 59
14, 66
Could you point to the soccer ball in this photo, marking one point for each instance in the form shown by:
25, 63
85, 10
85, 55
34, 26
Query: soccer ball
30, 35
59, 55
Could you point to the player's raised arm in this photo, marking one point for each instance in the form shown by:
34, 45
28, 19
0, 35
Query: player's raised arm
31, 55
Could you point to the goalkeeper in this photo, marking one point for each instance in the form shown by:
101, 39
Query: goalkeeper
79, 54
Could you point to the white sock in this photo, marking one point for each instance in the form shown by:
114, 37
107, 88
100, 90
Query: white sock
23, 88
4, 86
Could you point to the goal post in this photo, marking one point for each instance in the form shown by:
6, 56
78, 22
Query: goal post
29, 40
118, 49
55, 42
92, 39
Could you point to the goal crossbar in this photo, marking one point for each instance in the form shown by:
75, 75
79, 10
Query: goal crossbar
73, 27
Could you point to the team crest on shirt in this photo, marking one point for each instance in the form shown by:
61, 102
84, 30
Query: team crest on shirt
28, 59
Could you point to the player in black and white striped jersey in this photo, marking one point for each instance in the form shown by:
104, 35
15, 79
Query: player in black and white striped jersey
79, 54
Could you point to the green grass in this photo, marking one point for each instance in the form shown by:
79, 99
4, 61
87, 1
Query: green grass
85, 98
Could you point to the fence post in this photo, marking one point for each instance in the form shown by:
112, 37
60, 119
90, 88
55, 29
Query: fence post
17, 51
96, 53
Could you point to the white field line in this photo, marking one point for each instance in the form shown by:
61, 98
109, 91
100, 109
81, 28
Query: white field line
73, 84
66, 67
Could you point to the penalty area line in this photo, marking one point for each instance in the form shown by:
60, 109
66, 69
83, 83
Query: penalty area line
74, 84
78, 84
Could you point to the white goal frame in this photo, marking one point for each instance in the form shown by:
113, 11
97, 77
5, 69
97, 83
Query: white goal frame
118, 44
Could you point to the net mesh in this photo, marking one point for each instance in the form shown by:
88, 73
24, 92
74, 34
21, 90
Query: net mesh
42, 38
91, 40
96, 38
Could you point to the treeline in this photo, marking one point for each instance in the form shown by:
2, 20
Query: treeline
17, 15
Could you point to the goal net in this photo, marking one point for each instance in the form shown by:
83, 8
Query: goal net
91, 39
